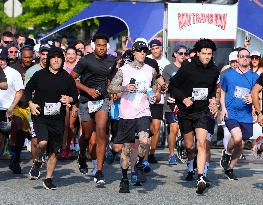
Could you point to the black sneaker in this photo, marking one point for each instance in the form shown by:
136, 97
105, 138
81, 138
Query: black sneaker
34, 172
229, 175
190, 176
225, 160
83, 167
47, 184
152, 159
15, 166
201, 185
139, 166
99, 179
124, 186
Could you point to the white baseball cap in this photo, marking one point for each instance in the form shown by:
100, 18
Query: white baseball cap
255, 53
142, 40
233, 56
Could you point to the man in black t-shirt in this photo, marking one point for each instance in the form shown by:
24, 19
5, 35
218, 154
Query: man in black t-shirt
53, 89
194, 89
258, 148
94, 70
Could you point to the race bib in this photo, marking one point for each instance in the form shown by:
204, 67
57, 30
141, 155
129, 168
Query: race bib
52, 108
200, 94
241, 92
94, 106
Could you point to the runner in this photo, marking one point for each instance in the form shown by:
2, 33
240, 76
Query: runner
133, 80
194, 89
94, 70
54, 89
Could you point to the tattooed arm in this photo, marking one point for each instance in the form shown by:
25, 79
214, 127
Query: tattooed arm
115, 85
156, 87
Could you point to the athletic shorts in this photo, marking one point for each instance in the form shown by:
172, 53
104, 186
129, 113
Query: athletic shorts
170, 118
129, 128
156, 111
189, 122
51, 131
84, 114
246, 128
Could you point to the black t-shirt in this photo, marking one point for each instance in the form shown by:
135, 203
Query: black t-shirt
94, 73
2, 76
48, 89
260, 82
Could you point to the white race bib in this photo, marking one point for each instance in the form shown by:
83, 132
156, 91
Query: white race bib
94, 106
241, 92
52, 108
200, 94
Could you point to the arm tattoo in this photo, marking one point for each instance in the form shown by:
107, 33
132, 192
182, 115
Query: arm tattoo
155, 85
115, 85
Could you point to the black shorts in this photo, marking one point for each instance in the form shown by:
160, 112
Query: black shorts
157, 111
51, 131
189, 122
129, 128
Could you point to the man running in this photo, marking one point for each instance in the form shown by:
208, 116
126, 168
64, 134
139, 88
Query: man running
94, 70
54, 89
194, 89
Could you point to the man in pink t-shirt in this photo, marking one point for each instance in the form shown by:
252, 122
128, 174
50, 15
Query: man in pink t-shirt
134, 80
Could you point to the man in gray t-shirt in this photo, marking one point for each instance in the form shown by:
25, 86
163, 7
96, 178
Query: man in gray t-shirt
169, 71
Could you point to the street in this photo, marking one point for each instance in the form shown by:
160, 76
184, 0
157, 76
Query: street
164, 185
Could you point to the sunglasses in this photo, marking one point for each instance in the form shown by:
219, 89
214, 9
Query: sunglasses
182, 53
244, 56
13, 51
255, 57
7, 42
142, 49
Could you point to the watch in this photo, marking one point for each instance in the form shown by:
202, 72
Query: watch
258, 113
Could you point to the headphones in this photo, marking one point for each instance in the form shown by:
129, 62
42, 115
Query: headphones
92, 44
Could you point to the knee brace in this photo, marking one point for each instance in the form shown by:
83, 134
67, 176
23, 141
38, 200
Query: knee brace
125, 155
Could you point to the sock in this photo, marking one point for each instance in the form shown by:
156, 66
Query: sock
206, 168
124, 173
190, 165
228, 153
258, 147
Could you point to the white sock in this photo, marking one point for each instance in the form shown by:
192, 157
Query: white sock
190, 165
258, 147
206, 168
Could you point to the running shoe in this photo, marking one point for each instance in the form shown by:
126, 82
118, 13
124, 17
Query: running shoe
230, 175
225, 160
134, 179
124, 186
181, 151
172, 160
200, 185
15, 166
99, 179
47, 184
190, 176
257, 153
146, 166
34, 172
83, 167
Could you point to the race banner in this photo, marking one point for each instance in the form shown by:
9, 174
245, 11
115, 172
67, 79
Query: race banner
194, 21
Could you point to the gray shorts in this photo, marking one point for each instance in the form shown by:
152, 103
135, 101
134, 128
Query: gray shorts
84, 114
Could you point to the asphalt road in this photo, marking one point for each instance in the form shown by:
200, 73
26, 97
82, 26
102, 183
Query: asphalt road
164, 185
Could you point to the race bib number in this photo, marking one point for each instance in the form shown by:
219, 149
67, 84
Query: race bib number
94, 106
241, 92
52, 108
200, 94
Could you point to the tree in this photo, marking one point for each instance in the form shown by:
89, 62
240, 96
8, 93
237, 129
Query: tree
43, 14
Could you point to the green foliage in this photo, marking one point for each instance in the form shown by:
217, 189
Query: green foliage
43, 14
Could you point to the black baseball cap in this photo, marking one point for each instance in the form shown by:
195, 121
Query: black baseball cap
44, 47
155, 42
139, 45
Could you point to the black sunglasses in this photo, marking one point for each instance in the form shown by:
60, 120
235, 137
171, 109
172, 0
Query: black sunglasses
145, 50
7, 42
183, 53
